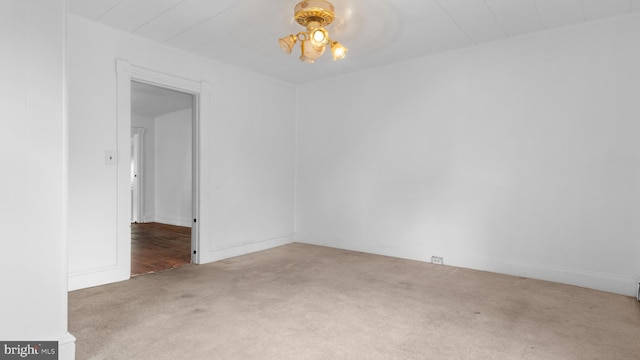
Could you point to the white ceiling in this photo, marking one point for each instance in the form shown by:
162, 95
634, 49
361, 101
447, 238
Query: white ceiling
153, 101
244, 33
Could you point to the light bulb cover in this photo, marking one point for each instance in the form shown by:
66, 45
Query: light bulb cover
287, 43
319, 36
338, 50
310, 53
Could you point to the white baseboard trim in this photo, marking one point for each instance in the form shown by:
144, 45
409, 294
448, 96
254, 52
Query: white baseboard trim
148, 218
173, 221
96, 277
67, 347
225, 252
613, 283
111, 274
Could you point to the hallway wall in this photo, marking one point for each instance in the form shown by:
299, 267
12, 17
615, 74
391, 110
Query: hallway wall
173, 147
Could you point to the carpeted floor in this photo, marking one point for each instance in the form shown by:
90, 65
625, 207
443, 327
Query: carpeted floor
308, 302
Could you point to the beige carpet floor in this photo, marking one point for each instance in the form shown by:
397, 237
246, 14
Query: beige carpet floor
308, 302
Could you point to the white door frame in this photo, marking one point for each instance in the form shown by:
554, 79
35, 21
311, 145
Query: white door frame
138, 191
201, 91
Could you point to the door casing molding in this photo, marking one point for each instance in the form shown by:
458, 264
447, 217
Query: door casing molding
201, 91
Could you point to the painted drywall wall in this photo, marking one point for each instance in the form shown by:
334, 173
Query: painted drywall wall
33, 259
519, 157
167, 176
173, 148
148, 124
247, 153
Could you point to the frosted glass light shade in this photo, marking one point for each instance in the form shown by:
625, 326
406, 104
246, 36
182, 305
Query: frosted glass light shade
287, 43
338, 51
310, 53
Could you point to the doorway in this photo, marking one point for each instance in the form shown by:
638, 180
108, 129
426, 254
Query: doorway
162, 177
201, 96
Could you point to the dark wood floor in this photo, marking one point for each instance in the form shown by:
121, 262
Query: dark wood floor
156, 247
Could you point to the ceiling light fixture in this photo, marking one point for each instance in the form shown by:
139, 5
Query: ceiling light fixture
313, 14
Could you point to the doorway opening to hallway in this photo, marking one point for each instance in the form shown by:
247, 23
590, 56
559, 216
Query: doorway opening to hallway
162, 177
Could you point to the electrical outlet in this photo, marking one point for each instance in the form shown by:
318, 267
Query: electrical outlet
437, 260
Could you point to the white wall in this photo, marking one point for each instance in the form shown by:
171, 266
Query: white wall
33, 304
519, 157
247, 152
148, 124
167, 167
173, 148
